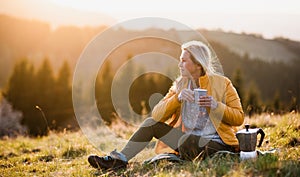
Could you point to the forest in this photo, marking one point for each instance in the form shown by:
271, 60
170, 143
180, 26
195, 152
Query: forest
37, 67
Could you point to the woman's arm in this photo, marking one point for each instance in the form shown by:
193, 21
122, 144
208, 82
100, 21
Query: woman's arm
166, 107
232, 110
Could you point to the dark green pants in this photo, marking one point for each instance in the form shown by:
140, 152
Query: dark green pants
188, 146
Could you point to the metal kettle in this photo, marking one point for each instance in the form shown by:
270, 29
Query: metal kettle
248, 138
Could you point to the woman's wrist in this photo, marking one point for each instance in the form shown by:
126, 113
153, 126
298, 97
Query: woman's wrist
214, 105
179, 97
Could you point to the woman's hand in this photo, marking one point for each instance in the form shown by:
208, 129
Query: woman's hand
207, 101
186, 95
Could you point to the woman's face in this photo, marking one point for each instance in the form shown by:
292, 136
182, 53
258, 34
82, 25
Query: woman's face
187, 67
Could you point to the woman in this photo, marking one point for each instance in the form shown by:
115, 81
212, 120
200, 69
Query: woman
178, 120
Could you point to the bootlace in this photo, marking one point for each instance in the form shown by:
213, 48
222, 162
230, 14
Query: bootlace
108, 158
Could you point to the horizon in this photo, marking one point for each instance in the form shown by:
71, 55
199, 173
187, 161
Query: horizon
270, 19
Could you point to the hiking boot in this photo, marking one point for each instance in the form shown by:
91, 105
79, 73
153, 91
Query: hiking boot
113, 161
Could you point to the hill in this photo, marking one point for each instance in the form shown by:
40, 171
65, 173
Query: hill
36, 40
270, 64
256, 46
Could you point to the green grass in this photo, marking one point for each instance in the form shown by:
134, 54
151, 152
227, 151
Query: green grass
65, 154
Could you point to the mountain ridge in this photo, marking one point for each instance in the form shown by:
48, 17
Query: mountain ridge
36, 40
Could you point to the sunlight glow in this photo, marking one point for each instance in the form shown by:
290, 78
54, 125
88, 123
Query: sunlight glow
195, 6
268, 17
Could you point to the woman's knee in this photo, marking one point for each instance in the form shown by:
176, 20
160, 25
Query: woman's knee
148, 122
189, 147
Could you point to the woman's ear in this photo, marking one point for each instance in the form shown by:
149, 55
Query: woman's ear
201, 69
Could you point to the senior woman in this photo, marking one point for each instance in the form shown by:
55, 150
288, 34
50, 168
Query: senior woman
177, 120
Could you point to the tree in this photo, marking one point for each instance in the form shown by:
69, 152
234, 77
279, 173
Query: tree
22, 94
62, 112
43, 99
252, 101
122, 80
238, 82
276, 103
20, 85
103, 93
44, 85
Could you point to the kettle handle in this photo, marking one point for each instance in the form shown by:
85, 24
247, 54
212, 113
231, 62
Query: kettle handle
262, 136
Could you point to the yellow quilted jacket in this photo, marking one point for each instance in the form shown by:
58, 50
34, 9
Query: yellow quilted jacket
225, 118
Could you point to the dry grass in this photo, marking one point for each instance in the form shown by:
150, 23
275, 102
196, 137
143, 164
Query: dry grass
65, 154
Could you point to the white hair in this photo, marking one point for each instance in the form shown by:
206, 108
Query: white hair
202, 54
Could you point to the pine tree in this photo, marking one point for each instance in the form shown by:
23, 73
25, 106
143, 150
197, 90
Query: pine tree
63, 108
252, 100
44, 97
20, 86
238, 83
103, 93
276, 102
45, 85
21, 93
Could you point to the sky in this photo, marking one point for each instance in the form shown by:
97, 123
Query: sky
270, 18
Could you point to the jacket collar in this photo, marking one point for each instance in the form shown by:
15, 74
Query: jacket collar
203, 81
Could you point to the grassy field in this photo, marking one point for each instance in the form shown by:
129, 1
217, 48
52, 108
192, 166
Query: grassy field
65, 154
